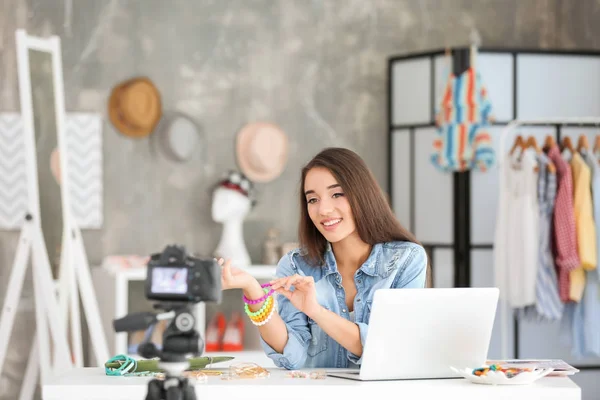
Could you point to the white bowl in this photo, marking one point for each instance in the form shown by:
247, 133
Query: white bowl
499, 378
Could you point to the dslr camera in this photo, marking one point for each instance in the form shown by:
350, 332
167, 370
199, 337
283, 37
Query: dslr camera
177, 281
174, 276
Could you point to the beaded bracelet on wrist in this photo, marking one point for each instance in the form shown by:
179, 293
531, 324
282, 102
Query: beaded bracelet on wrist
267, 294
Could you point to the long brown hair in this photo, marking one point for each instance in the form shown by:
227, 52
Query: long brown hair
375, 220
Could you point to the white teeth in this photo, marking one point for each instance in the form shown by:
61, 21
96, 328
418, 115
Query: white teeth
332, 222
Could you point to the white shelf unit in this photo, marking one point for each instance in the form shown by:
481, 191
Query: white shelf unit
112, 288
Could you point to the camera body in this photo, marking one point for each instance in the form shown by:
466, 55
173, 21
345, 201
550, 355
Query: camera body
174, 276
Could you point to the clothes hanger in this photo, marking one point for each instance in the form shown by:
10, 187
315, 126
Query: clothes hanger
549, 142
567, 144
582, 143
519, 143
597, 144
532, 143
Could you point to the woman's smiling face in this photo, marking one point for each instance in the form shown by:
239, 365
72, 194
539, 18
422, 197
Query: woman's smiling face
327, 205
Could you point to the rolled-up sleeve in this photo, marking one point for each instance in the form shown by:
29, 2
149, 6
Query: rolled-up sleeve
411, 273
294, 352
363, 328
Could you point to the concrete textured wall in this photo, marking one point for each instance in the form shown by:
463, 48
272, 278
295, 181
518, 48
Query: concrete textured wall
316, 68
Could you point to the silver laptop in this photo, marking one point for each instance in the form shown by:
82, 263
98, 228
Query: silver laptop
421, 333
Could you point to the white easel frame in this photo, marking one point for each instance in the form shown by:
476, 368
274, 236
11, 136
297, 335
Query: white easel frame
51, 311
510, 129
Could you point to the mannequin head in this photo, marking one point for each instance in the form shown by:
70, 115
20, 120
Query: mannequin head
231, 198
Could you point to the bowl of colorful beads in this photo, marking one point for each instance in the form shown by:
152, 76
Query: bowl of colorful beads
497, 375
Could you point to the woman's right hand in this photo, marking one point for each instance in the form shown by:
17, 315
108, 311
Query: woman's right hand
235, 278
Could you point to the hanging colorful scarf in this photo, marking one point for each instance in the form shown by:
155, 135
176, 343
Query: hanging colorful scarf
462, 142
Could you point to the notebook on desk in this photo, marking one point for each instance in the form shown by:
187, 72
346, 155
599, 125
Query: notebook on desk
421, 333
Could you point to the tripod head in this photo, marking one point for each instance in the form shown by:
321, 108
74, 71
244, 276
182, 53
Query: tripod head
180, 340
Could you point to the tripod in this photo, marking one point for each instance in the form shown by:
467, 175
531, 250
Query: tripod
174, 387
179, 339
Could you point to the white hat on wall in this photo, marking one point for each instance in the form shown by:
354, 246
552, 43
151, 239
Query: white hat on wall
261, 151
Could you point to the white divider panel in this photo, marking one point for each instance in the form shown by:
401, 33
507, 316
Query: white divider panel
433, 194
496, 71
497, 76
442, 264
401, 172
440, 71
482, 275
411, 91
484, 198
557, 85
485, 186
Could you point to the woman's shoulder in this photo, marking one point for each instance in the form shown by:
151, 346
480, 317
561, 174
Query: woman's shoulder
291, 262
406, 261
401, 246
403, 253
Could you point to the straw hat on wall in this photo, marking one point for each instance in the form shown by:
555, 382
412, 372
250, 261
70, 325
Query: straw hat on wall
134, 107
262, 151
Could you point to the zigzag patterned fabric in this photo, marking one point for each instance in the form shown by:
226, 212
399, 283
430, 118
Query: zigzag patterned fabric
13, 173
462, 142
84, 143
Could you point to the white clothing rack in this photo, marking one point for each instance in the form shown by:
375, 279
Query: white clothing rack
509, 129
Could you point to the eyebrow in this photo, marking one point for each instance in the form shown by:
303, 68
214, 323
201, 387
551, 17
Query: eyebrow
328, 187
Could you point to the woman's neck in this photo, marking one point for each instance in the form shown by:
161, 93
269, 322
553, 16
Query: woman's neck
350, 253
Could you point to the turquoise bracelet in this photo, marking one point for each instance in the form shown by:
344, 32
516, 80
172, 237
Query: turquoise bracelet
128, 365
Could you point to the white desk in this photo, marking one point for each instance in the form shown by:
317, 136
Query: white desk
93, 384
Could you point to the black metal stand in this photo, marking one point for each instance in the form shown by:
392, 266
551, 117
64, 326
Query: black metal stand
462, 200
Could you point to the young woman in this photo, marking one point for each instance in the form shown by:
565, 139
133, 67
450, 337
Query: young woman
350, 245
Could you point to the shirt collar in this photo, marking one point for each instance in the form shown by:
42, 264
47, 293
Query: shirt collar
371, 266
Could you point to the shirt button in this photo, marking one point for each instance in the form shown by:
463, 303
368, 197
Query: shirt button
359, 281
344, 310
358, 300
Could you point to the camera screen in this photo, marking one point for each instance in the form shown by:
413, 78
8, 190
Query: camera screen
169, 280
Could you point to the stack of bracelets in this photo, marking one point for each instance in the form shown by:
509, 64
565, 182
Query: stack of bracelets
264, 314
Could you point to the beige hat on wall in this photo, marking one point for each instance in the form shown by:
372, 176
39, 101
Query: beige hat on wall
134, 107
261, 151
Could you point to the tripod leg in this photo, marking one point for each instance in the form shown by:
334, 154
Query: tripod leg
174, 393
155, 391
13, 294
189, 391
30, 379
88, 298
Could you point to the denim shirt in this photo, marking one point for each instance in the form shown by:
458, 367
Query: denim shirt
389, 265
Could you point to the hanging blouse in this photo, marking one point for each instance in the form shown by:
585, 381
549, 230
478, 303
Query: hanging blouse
584, 226
462, 142
592, 162
548, 305
563, 224
516, 238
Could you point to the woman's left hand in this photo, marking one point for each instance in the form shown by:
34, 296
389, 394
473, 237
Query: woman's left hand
304, 295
